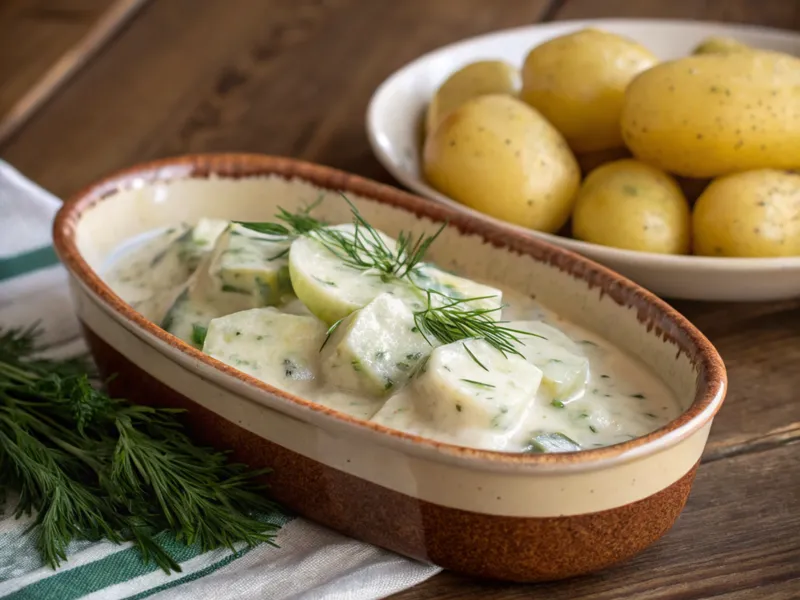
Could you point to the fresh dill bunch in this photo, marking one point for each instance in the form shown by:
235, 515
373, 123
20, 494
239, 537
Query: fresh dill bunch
449, 320
365, 249
91, 466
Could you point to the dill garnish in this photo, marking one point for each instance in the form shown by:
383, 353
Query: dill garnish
478, 383
365, 249
453, 319
91, 466
291, 225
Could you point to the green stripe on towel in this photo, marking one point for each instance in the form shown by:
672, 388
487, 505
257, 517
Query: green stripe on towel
20, 264
126, 565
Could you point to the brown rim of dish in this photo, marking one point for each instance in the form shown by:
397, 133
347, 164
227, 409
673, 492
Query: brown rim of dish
652, 311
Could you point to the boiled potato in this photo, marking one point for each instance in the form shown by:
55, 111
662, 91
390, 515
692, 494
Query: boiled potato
499, 156
628, 204
755, 214
577, 81
713, 114
721, 45
476, 79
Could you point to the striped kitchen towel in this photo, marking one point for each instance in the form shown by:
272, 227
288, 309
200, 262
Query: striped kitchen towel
311, 561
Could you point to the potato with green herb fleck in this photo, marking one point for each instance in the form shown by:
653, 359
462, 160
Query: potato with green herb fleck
714, 114
498, 155
577, 81
476, 79
721, 45
629, 204
750, 214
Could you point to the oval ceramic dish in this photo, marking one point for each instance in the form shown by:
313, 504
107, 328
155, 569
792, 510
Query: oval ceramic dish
397, 107
506, 516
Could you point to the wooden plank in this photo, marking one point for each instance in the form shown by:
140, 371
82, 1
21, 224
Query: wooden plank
733, 542
34, 34
293, 77
783, 14
38, 73
760, 344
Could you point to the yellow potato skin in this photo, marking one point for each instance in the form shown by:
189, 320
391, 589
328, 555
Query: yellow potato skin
577, 81
714, 114
721, 45
499, 156
629, 204
750, 214
476, 79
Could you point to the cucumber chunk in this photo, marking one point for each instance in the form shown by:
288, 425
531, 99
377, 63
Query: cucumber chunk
255, 342
376, 349
332, 289
565, 368
453, 393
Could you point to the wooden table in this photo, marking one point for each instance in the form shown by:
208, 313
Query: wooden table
293, 77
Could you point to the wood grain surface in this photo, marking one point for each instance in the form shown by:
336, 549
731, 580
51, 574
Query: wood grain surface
294, 77
34, 35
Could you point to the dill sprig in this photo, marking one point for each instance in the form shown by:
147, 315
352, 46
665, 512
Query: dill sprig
449, 320
291, 224
91, 466
365, 249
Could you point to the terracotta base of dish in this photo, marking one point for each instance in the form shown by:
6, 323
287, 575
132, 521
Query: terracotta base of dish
507, 548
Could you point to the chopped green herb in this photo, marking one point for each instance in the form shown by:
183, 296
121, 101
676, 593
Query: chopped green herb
413, 356
324, 281
389, 384
593, 429
380, 354
639, 396
199, 334
356, 364
475, 358
159, 257
330, 332
234, 290
458, 407
558, 404
403, 366
546, 442
478, 383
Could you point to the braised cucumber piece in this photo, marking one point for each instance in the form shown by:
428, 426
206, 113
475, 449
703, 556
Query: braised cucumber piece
255, 341
199, 241
375, 349
471, 385
245, 270
565, 368
251, 265
332, 289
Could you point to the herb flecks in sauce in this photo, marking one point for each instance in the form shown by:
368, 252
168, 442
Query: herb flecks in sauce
586, 380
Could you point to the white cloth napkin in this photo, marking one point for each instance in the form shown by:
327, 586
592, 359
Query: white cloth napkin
311, 563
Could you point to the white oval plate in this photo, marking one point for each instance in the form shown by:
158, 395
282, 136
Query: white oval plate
395, 110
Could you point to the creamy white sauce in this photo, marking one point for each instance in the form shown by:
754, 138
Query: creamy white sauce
617, 400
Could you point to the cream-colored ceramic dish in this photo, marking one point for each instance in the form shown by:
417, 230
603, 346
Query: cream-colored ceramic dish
397, 107
508, 516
